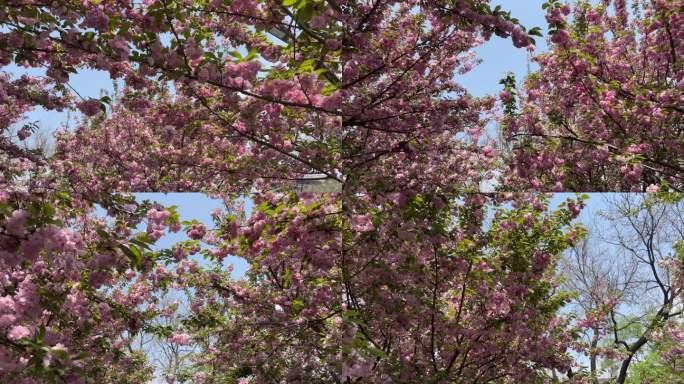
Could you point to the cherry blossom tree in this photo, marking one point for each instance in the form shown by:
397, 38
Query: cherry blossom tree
604, 111
70, 301
248, 96
462, 295
406, 272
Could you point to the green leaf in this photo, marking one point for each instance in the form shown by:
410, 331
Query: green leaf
133, 254
328, 89
252, 54
376, 352
297, 305
536, 31
142, 237
60, 354
305, 13
141, 244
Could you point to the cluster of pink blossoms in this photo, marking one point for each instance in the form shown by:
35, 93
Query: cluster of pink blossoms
604, 112
157, 221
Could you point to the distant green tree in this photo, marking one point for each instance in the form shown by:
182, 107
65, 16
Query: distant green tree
658, 366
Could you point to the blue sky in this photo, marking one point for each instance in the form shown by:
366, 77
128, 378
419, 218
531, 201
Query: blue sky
192, 206
499, 56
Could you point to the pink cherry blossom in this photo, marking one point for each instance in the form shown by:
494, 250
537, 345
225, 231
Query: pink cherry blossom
361, 223
180, 338
18, 332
